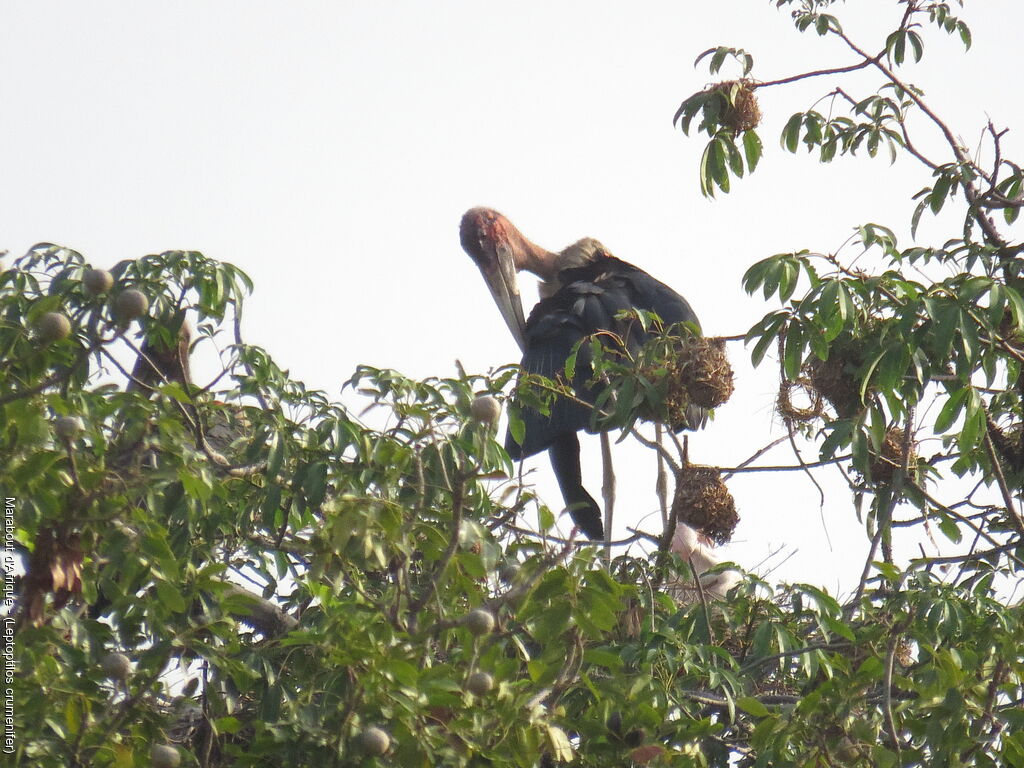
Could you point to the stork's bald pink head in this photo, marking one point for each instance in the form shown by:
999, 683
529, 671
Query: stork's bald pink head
480, 229
497, 248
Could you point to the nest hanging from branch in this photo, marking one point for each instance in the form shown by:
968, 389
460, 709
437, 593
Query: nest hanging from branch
704, 372
742, 112
835, 379
1008, 442
791, 412
884, 463
703, 502
696, 373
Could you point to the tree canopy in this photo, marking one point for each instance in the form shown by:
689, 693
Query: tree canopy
248, 572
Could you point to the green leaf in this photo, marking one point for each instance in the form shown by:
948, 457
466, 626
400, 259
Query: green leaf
794, 350
603, 658
516, 426
752, 149
73, 715
950, 529
974, 422
170, 597
766, 332
752, 706
791, 132
719, 172
706, 183
734, 157
951, 410
938, 194
895, 45
403, 672
915, 219
561, 747
227, 724
836, 627
570, 363
754, 276
917, 44
965, 34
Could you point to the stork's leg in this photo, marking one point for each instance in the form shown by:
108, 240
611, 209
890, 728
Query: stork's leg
565, 461
661, 484
607, 489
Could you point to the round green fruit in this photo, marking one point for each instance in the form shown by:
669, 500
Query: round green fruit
130, 304
479, 622
485, 409
116, 666
480, 683
508, 572
53, 326
97, 281
164, 756
374, 741
68, 427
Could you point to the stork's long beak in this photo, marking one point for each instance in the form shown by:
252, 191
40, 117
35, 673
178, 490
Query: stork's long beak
488, 238
501, 280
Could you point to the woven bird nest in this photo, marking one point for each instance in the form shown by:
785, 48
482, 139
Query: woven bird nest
696, 373
1009, 443
804, 388
703, 502
705, 373
742, 112
835, 378
885, 462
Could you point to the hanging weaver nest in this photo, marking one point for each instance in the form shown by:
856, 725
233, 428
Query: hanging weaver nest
742, 112
794, 413
835, 378
703, 502
885, 463
1009, 443
695, 374
703, 371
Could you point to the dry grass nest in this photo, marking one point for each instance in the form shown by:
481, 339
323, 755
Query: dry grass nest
791, 412
1009, 443
885, 463
703, 502
697, 373
742, 112
834, 379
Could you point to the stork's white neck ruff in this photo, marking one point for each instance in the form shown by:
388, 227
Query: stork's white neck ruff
579, 254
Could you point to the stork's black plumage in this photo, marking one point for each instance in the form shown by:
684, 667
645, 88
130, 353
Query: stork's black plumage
584, 288
587, 302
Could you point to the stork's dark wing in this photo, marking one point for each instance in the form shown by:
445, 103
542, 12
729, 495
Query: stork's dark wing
161, 362
590, 298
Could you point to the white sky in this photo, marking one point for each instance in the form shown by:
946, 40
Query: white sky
329, 149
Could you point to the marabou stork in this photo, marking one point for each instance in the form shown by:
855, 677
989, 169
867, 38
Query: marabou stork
160, 363
583, 287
